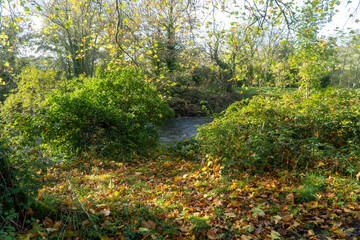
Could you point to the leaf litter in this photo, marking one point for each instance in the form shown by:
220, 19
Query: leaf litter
181, 199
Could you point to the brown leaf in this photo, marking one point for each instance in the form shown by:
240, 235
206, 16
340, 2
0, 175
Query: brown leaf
319, 220
287, 218
48, 222
85, 223
211, 233
185, 229
218, 202
148, 224
244, 237
106, 212
290, 197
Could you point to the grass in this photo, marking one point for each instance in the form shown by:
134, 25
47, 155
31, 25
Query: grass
183, 199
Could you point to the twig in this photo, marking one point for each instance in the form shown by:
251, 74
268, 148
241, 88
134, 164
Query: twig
82, 206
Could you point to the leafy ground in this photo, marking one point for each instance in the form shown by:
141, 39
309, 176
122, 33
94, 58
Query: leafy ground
175, 198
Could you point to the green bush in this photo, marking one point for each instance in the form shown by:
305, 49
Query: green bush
112, 115
288, 131
18, 187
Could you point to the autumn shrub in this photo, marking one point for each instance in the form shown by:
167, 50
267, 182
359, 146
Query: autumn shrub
113, 115
288, 130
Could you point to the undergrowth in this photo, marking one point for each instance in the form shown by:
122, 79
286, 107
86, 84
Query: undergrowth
288, 131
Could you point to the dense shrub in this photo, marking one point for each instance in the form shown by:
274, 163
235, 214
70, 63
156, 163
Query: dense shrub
18, 187
112, 115
288, 131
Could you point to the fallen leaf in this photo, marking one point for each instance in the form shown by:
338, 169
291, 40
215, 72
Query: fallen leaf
232, 215
85, 223
211, 234
218, 202
275, 235
244, 237
144, 230
249, 228
57, 225
277, 218
290, 197
148, 224
106, 212
257, 212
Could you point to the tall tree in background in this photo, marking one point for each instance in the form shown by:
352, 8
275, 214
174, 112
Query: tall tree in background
72, 30
12, 38
153, 35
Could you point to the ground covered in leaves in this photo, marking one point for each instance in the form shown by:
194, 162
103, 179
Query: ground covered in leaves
167, 198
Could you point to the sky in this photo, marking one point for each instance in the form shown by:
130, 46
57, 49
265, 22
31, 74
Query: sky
342, 19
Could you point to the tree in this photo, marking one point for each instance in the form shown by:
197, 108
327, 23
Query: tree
155, 36
12, 38
33, 88
72, 29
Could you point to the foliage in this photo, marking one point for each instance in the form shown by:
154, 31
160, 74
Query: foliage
72, 31
347, 71
312, 62
112, 115
288, 131
312, 184
11, 40
33, 88
18, 187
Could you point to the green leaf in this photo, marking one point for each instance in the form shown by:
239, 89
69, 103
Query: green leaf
231, 215
249, 228
275, 235
257, 212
